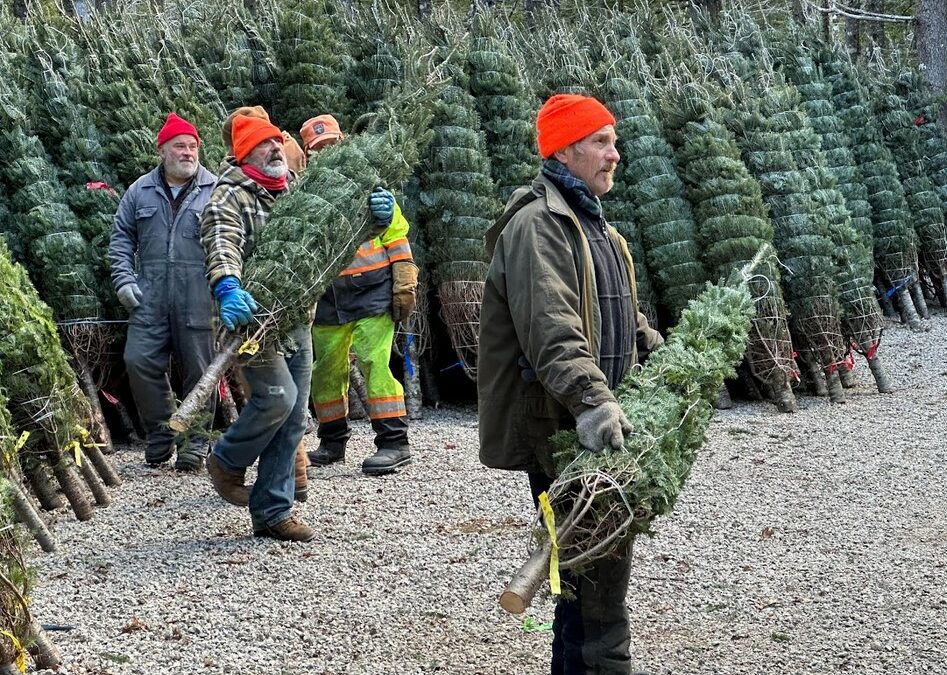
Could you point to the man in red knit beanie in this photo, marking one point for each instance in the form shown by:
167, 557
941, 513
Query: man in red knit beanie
157, 271
559, 328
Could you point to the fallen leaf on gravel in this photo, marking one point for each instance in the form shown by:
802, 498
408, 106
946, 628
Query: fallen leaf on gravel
450, 446
157, 501
767, 533
135, 625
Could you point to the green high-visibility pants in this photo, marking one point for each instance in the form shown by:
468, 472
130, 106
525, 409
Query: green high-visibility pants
370, 338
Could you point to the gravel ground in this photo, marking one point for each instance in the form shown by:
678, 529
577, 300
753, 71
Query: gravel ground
807, 543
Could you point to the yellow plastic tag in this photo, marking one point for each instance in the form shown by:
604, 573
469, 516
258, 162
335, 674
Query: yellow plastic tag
550, 519
18, 647
86, 439
250, 347
73, 446
21, 441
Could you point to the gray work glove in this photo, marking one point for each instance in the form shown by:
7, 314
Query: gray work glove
130, 296
602, 426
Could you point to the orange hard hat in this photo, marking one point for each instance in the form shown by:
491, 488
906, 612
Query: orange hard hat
319, 131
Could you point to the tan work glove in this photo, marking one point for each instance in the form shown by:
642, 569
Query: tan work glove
295, 157
404, 276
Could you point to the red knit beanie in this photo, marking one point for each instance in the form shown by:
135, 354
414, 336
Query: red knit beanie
567, 118
175, 126
249, 132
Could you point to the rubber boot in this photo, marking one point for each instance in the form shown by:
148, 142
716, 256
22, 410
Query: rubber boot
386, 460
329, 452
302, 480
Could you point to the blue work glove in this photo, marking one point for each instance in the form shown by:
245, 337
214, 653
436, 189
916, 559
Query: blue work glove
236, 305
382, 204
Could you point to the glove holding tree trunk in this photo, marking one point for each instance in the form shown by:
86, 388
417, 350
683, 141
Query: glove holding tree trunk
404, 278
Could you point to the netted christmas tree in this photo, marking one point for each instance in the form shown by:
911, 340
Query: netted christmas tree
219, 45
768, 126
44, 397
374, 65
126, 117
458, 205
656, 191
620, 212
310, 53
600, 500
824, 151
895, 249
312, 233
903, 139
732, 224
924, 105
503, 104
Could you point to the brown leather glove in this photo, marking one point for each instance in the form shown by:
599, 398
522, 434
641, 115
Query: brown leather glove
295, 157
404, 276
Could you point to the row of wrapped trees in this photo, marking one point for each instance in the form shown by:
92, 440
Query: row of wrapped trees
730, 135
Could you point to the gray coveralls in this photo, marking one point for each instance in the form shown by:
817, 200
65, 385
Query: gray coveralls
164, 256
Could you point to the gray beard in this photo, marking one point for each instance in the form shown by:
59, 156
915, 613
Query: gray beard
275, 171
178, 171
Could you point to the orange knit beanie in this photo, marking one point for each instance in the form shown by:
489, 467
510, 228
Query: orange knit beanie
249, 132
567, 118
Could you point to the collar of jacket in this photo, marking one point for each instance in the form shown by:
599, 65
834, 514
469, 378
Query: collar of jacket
203, 178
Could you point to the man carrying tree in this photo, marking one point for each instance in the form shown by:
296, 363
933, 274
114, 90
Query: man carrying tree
296, 161
273, 421
559, 328
359, 312
166, 294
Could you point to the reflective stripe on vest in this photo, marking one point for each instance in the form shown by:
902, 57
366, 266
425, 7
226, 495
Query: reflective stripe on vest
369, 256
399, 249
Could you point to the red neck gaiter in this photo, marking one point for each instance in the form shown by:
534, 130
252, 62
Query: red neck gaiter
264, 181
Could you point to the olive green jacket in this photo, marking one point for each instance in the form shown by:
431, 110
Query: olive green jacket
540, 301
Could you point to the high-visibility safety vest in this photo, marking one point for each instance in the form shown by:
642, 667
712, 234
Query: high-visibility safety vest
364, 287
390, 246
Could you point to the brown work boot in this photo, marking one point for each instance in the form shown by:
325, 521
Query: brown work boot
291, 529
228, 485
302, 480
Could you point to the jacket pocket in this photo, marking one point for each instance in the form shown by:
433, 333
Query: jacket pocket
200, 302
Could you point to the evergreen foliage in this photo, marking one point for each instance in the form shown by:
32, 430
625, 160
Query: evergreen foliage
309, 53
656, 191
670, 403
312, 233
771, 130
894, 243
503, 105
901, 136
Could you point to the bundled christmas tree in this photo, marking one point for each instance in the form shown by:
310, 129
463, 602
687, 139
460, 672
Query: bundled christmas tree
309, 55
312, 233
127, 118
824, 152
903, 139
770, 128
894, 239
503, 104
656, 191
458, 206
732, 224
220, 47
924, 106
601, 500
44, 396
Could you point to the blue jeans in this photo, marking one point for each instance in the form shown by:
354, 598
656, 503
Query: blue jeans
270, 427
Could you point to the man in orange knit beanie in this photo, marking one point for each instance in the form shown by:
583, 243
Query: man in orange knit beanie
559, 328
295, 157
272, 423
